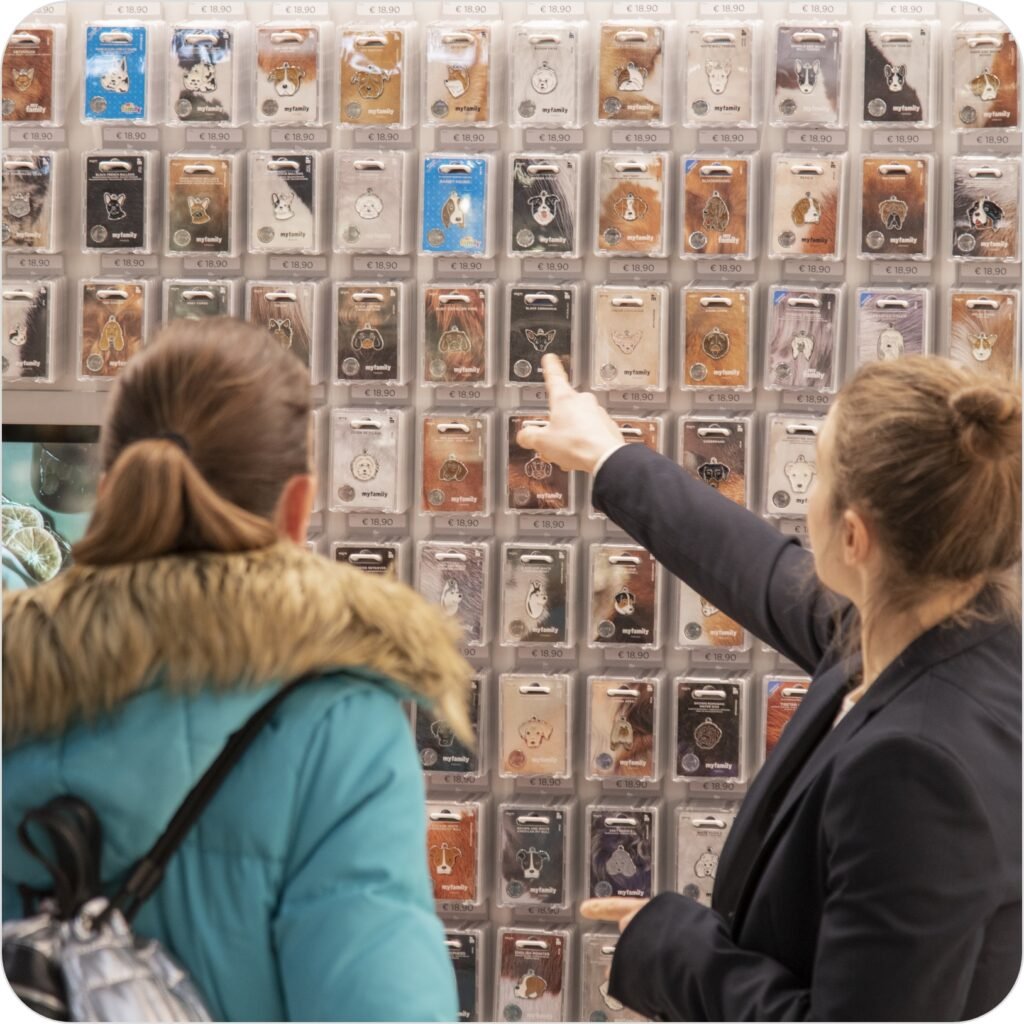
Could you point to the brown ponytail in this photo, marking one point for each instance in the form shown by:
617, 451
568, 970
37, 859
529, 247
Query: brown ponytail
204, 429
931, 453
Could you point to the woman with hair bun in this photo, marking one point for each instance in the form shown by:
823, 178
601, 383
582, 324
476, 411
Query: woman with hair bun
874, 869
303, 892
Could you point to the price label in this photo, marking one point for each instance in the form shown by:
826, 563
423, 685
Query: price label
736, 138
816, 138
314, 265
25, 135
548, 913
535, 394
117, 135
33, 262
642, 9
976, 11
383, 9
543, 653
464, 524
207, 264
639, 399
817, 400
903, 138
58, 10
810, 268
990, 272
618, 655
647, 138
819, 8
731, 270
400, 265
138, 263
544, 782
465, 266
555, 9
368, 391
216, 9
732, 8
991, 139
905, 9
898, 272
628, 785
730, 786
638, 266
552, 266
721, 398
229, 138
137, 9
712, 656
377, 521
464, 393
299, 137
469, 138
300, 10
471, 9
382, 138
554, 138
532, 523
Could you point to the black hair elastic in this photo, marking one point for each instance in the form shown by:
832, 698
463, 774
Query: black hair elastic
176, 439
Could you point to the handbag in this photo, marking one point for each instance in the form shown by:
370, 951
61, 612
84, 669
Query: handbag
74, 956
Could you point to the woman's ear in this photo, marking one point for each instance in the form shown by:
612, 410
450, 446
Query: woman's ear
857, 539
291, 517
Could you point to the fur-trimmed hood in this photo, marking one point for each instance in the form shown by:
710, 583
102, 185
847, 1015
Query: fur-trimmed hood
76, 647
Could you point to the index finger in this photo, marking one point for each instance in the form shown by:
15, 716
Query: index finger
556, 382
611, 908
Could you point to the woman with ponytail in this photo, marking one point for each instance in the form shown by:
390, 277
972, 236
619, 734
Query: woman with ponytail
874, 869
303, 892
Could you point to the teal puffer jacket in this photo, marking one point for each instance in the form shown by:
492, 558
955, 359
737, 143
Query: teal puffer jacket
303, 892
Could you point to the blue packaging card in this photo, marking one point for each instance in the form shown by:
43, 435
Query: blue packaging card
115, 73
455, 205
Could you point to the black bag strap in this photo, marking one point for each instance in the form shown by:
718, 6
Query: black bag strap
148, 871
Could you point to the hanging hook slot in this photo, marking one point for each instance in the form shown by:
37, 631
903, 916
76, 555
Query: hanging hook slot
197, 293
111, 293
114, 165
452, 428
366, 558
115, 36
804, 302
286, 37
534, 690
714, 430
536, 559
281, 296
540, 299
802, 429
623, 560
716, 302
282, 165
450, 556
716, 171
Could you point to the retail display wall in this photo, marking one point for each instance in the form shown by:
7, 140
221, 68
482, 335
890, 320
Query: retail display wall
711, 212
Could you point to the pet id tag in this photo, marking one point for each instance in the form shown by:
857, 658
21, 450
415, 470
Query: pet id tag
116, 87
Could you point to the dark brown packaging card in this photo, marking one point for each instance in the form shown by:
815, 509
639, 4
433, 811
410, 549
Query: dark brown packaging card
28, 322
703, 626
202, 74
369, 337
532, 975
700, 835
540, 320
287, 74
116, 202
986, 208
782, 696
623, 597
458, 74
891, 324
807, 197
440, 750
28, 71
373, 559
545, 204
534, 725
631, 204
791, 463
371, 75
28, 216
709, 729
536, 594
454, 470
366, 460
368, 201
454, 335
894, 206
453, 851
113, 326
628, 338
621, 728
985, 332
455, 577
715, 452
196, 300
533, 860
716, 338
898, 66
464, 951
598, 949
630, 82
199, 198
532, 484
719, 73
986, 82
808, 74
716, 207
621, 847
283, 191
286, 309
802, 330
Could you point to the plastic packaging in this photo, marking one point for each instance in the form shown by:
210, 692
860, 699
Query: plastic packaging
113, 323
986, 208
33, 75
376, 73
803, 339
535, 725
892, 323
896, 203
621, 845
534, 857
290, 311
631, 78
119, 201
718, 452
444, 758
461, 74
791, 452
285, 202
455, 854
456, 576
701, 832
32, 192
986, 77
782, 695
710, 727
541, 318
984, 332
596, 952
121, 72
717, 216
624, 608
197, 299
807, 207
455, 464
622, 728
721, 72
900, 71
717, 334
465, 948
457, 331
457, 214
547, 70
629, 338
202, 205
368, 451
538, 595
370, 329
533, 975
32, 312
808, 75
372, 201
545, 207
290, 72
632, 206
205, 72
531, 483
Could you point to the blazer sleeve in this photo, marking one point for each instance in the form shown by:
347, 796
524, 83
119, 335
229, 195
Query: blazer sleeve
910, 885
731, 557
355, 931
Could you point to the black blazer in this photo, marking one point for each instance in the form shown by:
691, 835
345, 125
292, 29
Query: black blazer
874, 869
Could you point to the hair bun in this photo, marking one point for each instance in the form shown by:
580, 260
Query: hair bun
987, 418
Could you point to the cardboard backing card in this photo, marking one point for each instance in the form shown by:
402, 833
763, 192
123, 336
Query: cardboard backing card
113, 326
202, 74
891, 323
985, 331
28, 323
116, 201
719, 73
287, 74
631, 72
373, 67
986, 78
369, 332
29, 75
